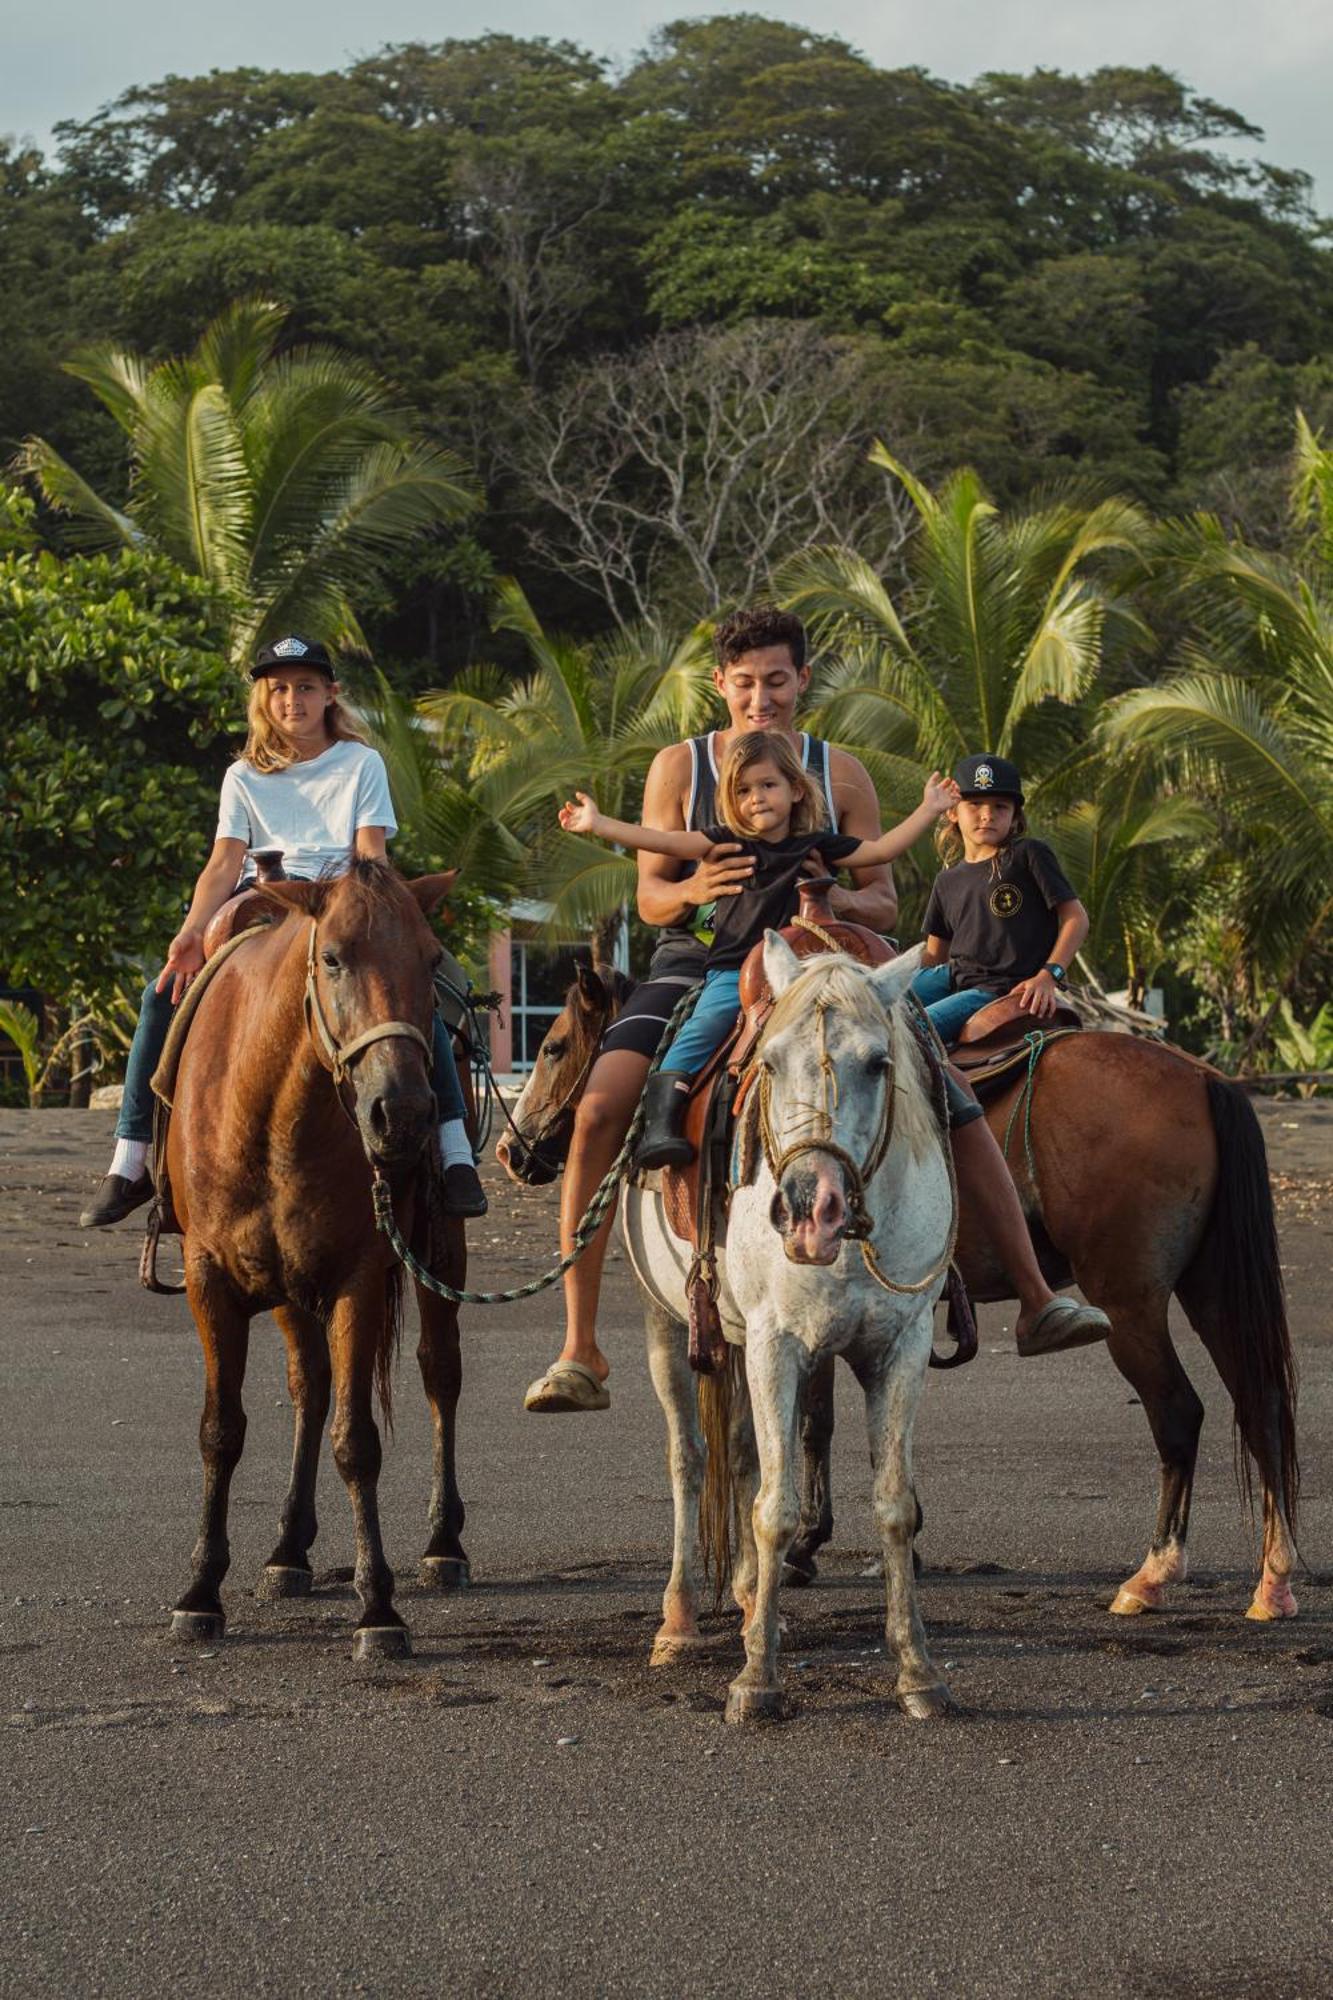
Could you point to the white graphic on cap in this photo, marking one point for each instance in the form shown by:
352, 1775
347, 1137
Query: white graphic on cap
291, 649
983, 777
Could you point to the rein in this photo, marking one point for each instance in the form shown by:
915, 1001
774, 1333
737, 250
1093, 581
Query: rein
859, 1174
341, 1055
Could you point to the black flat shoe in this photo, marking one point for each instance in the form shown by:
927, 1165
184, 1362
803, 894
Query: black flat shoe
115, 1199
463, 1192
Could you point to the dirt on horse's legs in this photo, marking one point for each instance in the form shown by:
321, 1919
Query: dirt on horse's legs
674, 1381
444, 1565
224, 1333
774, 1365
921, 1688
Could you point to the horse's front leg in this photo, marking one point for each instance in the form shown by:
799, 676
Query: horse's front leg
444, 1566
816, 1475
287, 1571
359, 1330
775, 1365
224, 1333
892, 1378
674, 1381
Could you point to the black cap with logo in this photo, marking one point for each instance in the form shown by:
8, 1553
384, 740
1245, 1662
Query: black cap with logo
292, 652
988, 777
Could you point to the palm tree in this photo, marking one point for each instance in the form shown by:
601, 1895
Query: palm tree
288, 478
994, 642
587, 717
1245, 723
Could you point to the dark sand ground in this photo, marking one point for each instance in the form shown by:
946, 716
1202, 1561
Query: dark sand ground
1123, 1807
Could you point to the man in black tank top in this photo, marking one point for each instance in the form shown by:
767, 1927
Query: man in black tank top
761, 674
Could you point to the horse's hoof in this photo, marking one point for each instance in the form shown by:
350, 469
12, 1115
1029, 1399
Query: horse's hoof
199, 1628
381, 1642
671, 1647
799, 1576
1128, 1604
445, 1572
1272, 1600
926, 1704
746, 1704
282, 1580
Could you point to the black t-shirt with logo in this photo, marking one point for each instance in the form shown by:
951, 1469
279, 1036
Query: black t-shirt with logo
770, 897
1001, 924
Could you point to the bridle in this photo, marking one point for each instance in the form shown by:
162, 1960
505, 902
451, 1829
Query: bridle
341, 1055
532, 1146
859, 1173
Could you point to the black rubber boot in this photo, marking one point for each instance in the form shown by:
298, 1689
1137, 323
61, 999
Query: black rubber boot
663, 1143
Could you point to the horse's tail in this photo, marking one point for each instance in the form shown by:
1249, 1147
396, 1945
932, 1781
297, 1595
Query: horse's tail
386, 1348
1236, 1277
717, 1501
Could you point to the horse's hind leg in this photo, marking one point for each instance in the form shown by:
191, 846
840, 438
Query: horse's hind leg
1140, 1346
668, 1364
224, 1333
816, 1475
287, 1571
444, 1566
356, 1331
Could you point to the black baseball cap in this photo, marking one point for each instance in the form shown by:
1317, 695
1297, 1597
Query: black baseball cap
293, 652
988, 777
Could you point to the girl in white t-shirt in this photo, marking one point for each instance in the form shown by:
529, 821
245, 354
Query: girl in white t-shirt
308, 784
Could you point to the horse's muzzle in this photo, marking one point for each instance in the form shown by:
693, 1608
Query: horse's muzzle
810, 1211
396, 1126
527, 1168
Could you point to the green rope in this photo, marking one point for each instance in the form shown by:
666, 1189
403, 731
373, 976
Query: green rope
596, 1214
1036, 1042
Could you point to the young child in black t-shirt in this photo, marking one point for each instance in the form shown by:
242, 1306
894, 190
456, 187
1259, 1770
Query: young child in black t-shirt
1003, 918
772, 806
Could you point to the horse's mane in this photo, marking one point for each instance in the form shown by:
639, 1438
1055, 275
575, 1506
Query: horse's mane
373, 885
840, 983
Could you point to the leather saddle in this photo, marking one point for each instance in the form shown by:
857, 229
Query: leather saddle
999, 1037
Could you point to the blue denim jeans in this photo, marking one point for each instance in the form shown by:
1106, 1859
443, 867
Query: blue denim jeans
948, 1011
155, 1012
714, 1015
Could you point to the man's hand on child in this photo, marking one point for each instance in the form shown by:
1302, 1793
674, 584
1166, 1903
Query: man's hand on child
939, 794
580, 818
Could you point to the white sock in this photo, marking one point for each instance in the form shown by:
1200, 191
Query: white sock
129, 1159
455, 1146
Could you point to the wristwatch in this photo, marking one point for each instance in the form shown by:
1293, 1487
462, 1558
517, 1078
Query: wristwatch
1057, 972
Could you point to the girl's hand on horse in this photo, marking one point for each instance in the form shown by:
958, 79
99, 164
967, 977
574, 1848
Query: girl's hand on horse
939, 793
580, 818
1037, 995
185, 957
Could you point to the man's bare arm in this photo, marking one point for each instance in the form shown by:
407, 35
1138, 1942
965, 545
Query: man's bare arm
872, 900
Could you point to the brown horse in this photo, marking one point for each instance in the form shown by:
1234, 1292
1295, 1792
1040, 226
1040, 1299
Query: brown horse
1142, 1175
307, 1065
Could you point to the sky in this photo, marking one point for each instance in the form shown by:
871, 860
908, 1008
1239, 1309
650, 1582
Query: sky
1271, 60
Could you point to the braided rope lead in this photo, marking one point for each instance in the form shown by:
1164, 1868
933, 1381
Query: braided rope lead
596, 1213
1036, 1040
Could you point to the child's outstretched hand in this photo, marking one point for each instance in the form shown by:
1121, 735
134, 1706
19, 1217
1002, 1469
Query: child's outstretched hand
939, 793
580, 818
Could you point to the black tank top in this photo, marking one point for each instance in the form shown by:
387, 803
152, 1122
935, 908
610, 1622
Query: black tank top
680, 948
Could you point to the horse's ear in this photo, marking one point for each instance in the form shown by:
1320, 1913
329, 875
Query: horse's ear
781, 964
431, 890
591, 988
891, 981
293, 894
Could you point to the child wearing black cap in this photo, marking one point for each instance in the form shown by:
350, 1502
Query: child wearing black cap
309, 784
1003, 916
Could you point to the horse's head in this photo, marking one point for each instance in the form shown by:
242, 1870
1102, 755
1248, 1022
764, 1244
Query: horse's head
535, 1147
826, 1080
370, 957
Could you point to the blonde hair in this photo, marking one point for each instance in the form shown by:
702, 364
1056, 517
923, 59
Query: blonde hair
267, 749
758, 747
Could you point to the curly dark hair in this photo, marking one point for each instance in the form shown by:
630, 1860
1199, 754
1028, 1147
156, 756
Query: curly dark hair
759, 625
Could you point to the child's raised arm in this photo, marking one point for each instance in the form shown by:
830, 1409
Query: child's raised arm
936, 797
585, 818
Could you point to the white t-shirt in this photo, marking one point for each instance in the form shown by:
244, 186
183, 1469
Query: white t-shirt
311, 811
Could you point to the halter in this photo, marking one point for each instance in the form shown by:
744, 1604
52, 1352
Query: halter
860, 1227
341, 1055
532, 1146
